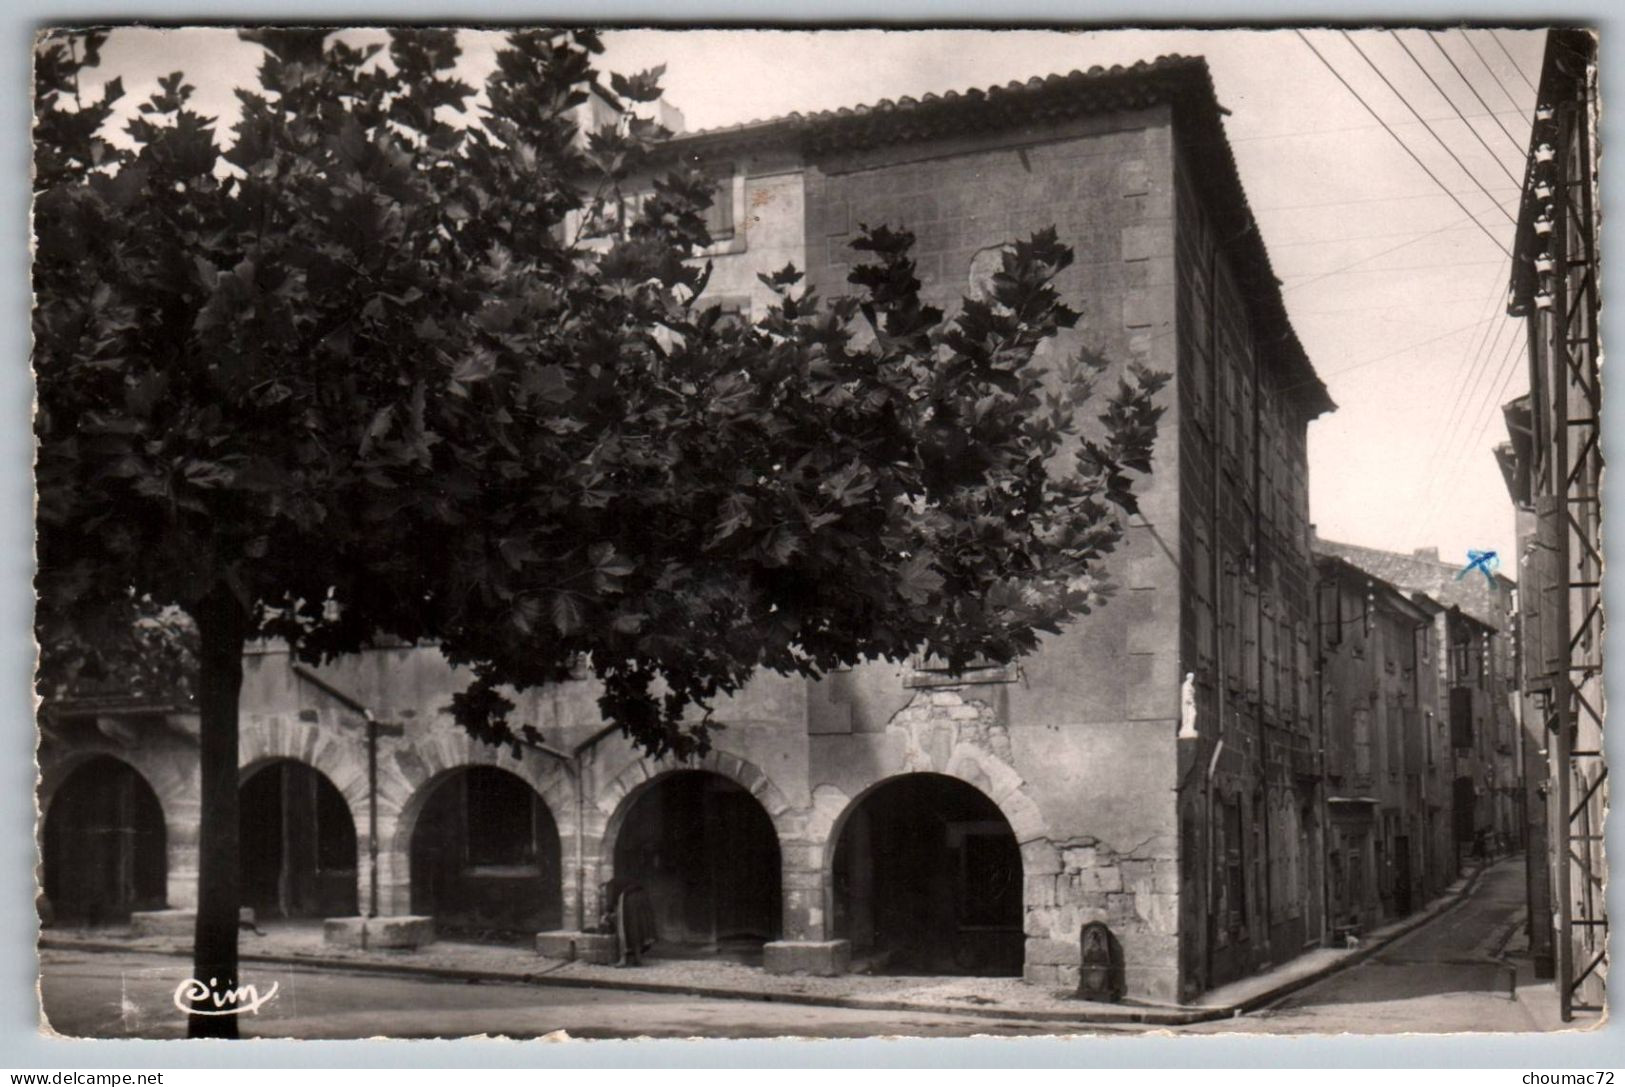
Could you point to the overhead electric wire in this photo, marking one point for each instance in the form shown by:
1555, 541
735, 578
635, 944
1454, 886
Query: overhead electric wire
1472, 368
1338, 238
1512, 60
1444, 468
1400, 351
1392, 249
1403, 268
1436, 137
1482, 366
1490, 68
1293, 133
1490, 151
1417, 159
1369, 200
1519, 146
1464, 457
1464, 371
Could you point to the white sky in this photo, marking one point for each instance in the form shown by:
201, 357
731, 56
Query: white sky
1398, 298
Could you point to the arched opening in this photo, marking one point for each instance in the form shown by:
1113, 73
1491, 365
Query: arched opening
927, 879
296, 843
485, 857
706, 852
104, 848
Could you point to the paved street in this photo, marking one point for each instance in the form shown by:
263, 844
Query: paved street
115, 995
1435, 979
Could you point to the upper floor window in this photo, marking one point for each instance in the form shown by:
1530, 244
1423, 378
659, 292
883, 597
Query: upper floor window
721, 216
1461, 663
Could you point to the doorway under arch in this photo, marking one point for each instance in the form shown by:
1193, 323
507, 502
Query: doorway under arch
296, 843
927, 879
104, 845
485, 857
707, 854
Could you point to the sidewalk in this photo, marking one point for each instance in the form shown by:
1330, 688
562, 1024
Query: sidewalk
1000, 998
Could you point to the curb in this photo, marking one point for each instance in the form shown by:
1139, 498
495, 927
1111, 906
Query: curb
1405, 928
1128, 1014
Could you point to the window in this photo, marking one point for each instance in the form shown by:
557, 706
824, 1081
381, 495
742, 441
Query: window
1269, 651
719, 217
1304, 676
1201, 577
1231, 608
1395, 754
1329, 603
1362, 744
1249, 640
1234, 885
1460, 663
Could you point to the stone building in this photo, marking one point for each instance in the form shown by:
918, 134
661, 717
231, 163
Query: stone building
1476, 627
1152, 767
1389, 765
1554, 464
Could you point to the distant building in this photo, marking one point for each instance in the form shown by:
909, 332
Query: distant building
1390, 776
1154, 767
1477, 623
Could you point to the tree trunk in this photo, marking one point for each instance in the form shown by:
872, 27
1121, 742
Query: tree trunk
222, 626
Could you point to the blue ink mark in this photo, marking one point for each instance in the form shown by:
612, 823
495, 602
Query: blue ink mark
1487, 561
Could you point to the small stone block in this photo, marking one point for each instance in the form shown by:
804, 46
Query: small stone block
595, 947
163, 923
821, 958
556, 945
343, 931
568, 946
400, 932
379, 933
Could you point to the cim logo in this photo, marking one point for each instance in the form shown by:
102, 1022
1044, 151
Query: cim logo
193, 997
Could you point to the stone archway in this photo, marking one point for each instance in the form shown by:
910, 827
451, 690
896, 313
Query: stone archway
926, 877
297, 843
172, 775
706, 852
800, 908
105, 844
407, 775
484, 858
950, 731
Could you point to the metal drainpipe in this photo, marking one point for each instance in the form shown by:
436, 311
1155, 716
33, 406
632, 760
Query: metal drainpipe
572, 767
356, 706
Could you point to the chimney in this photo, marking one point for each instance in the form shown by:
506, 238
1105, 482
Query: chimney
1429, 553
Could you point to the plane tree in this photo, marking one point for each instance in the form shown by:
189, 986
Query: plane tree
351, 370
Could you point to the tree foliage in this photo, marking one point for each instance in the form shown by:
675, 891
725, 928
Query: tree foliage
355, 366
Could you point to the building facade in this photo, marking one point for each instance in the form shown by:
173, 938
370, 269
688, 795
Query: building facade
1554, 467
1153, 767
1476, 628
1389, 767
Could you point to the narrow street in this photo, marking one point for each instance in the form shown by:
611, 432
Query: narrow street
1442, 976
